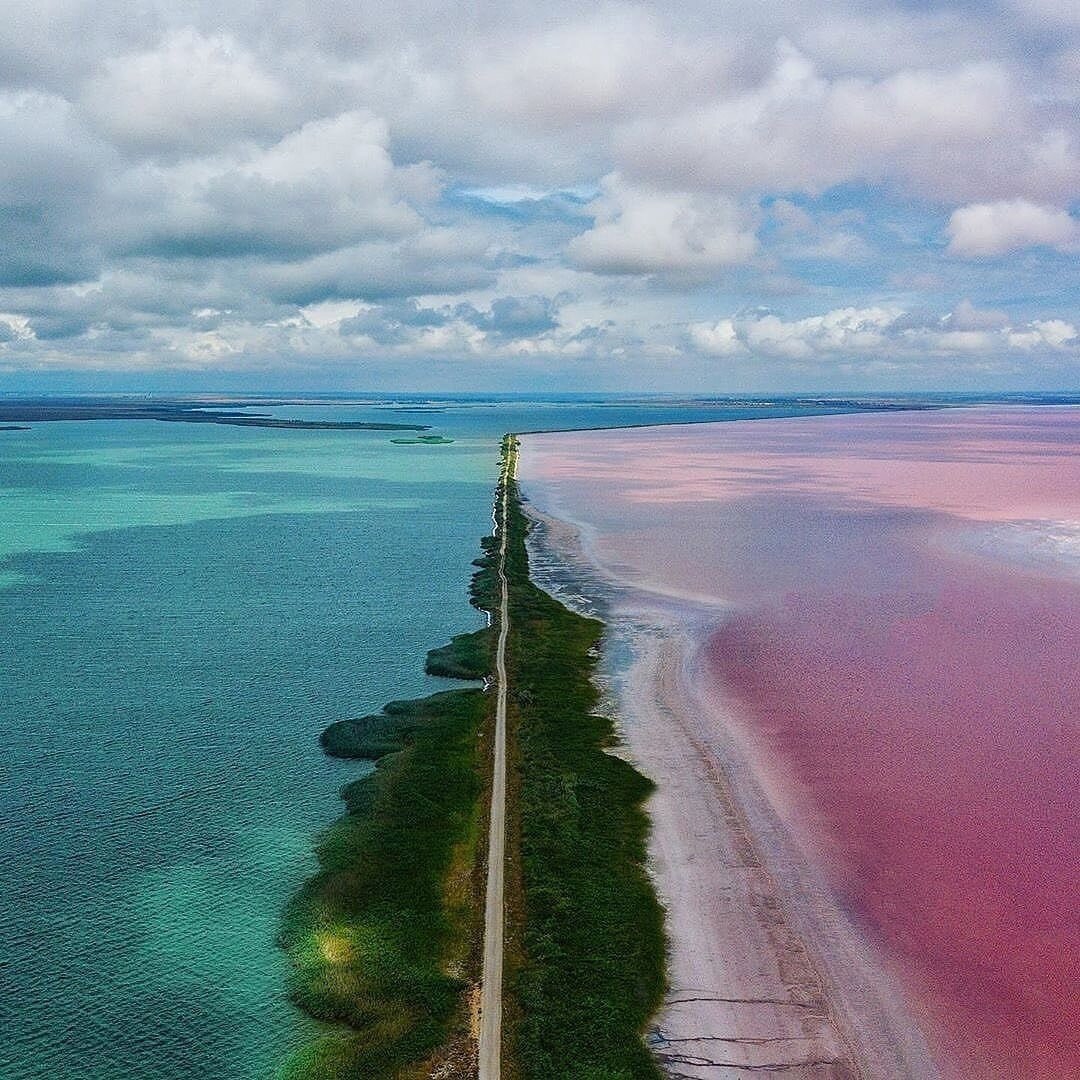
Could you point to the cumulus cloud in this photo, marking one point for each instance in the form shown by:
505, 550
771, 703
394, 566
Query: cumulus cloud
1005, 226
943, 133
189, 92
329, 184
718, 339
1053, 333
640, 230
880, 333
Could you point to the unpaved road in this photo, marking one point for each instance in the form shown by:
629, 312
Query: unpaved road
492, 977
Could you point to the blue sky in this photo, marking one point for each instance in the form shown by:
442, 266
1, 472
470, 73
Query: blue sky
821, 194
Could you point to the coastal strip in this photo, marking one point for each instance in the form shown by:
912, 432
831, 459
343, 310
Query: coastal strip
388, 948
586, 947
491, 981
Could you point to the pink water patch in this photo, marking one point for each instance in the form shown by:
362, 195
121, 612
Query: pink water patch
904, 638
939, 745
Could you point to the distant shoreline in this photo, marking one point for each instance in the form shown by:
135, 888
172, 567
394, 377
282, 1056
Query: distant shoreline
176, 411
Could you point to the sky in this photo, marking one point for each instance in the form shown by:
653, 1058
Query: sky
688, 196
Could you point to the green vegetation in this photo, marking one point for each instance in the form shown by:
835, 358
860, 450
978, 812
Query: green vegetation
590, 969
467, 656
378, 951
382, 938
428, 440
484, 588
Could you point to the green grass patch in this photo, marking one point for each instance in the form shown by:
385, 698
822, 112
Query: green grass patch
592, 969
468, 656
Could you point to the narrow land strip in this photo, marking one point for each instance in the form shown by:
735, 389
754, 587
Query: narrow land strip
588, 958
492, 977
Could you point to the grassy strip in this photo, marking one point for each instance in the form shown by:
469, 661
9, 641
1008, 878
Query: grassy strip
591, 970
468, 656
381, 938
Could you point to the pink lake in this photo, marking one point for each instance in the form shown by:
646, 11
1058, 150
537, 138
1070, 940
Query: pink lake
899, 630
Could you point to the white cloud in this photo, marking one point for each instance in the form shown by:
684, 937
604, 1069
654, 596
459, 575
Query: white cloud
875, 333
945, 133
208, 172
998, 228
640, 230
841, 330
1054, 333
329, 184
15, 327
594, 70
966, 316
718, 339
191, 91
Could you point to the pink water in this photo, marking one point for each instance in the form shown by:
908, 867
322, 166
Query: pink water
903, 637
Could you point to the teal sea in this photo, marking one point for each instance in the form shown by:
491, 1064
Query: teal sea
183, 608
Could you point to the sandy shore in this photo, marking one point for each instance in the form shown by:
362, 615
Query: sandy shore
766, 974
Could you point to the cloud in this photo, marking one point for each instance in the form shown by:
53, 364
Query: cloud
506, 318
941, 133
595, 70
519, 316
718, 339
997, 228
966, 316
432, 261
51, 172
329, 184
1053, 333
830, 236
189, 92
880, 333
640, 230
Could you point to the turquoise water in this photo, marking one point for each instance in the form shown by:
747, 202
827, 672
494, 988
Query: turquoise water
183, 608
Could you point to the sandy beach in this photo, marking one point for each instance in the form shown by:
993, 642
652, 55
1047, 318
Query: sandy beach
807, 938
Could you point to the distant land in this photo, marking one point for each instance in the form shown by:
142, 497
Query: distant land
176, 410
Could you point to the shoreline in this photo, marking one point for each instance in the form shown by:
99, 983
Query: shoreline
766, 972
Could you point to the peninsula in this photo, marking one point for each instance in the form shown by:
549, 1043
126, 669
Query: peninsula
387, 940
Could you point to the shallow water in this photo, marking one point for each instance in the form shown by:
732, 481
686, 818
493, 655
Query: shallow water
183, 608
903, 624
